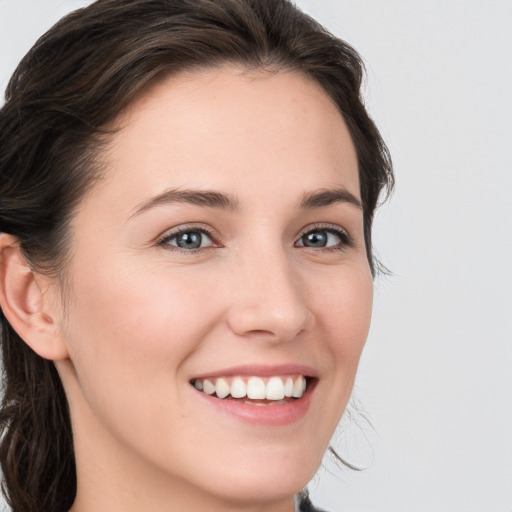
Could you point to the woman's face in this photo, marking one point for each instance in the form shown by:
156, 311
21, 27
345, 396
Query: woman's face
225, 246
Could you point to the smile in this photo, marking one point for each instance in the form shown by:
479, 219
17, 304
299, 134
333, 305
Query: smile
254, 390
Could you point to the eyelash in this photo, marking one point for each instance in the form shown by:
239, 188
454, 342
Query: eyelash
164, 242
346, 240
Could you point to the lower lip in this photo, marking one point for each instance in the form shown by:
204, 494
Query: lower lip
265, 415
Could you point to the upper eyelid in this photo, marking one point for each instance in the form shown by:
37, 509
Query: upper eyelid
173, 232
324, 226
346, 240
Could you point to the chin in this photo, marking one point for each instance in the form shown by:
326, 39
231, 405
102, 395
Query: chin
263, 486
271, 474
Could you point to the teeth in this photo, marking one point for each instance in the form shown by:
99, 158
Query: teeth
208, 387
222, 388
288, 387
256, 388
274, 388
238, 388
298, 387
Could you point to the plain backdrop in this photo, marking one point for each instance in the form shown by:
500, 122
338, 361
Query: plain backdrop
435, 380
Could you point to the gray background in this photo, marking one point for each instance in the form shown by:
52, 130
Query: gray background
436, 376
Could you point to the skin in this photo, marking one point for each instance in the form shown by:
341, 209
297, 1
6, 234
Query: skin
142, 318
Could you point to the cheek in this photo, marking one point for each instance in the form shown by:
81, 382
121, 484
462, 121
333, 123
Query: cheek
131, 324
133, 333
344, 320
129, 302
345, 309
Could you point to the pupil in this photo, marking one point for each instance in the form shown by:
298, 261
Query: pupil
189, 240
315, 239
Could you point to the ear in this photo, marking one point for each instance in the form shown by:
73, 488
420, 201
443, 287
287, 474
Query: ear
25, 303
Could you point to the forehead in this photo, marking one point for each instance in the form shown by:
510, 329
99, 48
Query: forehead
234, 130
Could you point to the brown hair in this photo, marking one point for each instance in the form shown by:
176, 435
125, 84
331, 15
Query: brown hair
78, 77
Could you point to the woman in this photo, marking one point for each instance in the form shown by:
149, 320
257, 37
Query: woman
187, 195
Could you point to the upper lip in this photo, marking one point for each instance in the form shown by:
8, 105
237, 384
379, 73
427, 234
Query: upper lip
260, 371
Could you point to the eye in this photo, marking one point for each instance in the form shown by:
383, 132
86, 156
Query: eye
188, 239
324, 238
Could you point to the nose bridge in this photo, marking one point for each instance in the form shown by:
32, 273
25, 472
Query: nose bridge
270, 297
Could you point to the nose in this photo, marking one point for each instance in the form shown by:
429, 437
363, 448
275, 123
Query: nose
268, 299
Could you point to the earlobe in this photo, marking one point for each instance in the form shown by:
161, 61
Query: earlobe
25, 305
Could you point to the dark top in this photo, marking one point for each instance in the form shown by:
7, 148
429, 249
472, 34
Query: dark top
305, 504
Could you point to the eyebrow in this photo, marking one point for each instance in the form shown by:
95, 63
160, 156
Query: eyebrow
204, 198
221, 200
328, 197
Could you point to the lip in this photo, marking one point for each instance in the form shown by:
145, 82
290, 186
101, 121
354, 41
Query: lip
260, 371
270, 415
